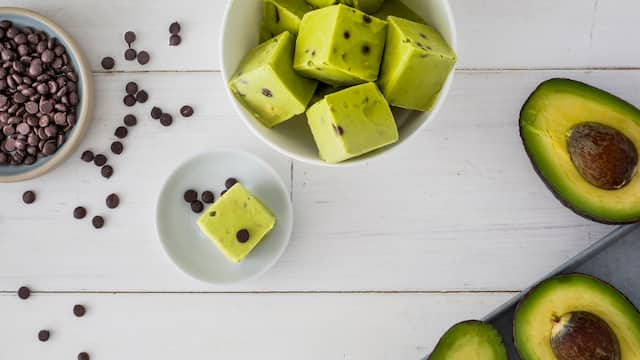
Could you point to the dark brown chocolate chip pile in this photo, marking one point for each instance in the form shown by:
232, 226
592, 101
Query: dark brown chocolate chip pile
24, 292
79, 310
174, 30
43, 335
29, 197
38, 95
112, 201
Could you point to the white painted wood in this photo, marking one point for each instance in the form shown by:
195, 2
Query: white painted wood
492, 33
459, 208
235, 326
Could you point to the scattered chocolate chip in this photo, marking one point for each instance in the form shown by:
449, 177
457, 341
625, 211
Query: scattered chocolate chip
130, 120
100, 160
266, 92
129, 100
346, 35
112, 201
213, 213
117, 147
338, 129
130, 54
186, 111
121, 132
230, 182
366, 19
83, 356
24, 292
106, 171
87, 156
143, 57
97, 222
166, 119
207, 197
223, 192
29, 197
129, 37
131, 88
174, 28
79, 310
142, 96
190, 196
108, 63
366, 49
242, 235
79, 212
175, 40
43, 335
156, 112
197, 206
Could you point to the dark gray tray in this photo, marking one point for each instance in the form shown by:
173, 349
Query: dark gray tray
613, 259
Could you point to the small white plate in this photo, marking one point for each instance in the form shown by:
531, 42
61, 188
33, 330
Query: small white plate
176, 224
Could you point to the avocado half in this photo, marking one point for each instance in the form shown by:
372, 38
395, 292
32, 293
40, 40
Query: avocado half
590, 314
584, 144
470, 340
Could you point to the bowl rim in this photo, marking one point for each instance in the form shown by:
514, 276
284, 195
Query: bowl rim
362, 159
84, 116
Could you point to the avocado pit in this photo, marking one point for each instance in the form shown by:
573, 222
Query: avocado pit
582, 335
604, 156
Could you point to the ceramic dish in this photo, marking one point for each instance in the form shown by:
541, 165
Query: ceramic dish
22, 18
293, 138
176, 224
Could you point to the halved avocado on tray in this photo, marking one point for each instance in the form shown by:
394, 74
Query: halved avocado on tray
470, 340
576, 317
584, 144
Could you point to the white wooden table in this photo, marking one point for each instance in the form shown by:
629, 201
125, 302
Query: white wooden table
383, 257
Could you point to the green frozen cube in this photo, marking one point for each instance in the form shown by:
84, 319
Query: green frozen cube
267, 85
399, 9
282, 15
368, 6
340, 46
415, 66
351, 122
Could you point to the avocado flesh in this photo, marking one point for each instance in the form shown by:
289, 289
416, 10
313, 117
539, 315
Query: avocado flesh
470, 340
546, 121
534, 319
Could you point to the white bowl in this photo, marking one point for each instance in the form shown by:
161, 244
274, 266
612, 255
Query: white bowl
293, 138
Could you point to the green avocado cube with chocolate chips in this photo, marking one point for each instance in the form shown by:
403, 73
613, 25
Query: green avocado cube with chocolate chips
267, 85
282, 15
368, 6
416, 63
351, 122
398, 9
340, 46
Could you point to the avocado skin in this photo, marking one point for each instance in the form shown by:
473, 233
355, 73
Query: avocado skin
566, 83
489, 331
560, 278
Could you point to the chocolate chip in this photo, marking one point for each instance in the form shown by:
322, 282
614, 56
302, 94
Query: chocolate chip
142, 96
112, 201
129, 37
29, 197
186, 111
83, 356
156, 112
223, 192
79, 310
366, 49
100, 160
230, 182
106, 171
24, 292
174, 28
338, 129
166, 119
107, 63
131, 88
143, 57
130, 54
43, 335
346, 35
130, 120
175, 40
242, 236
190, 196
266, 92
197, 206
117, 147
87, 156
207, 197
97, 222
129, 100
366, 19
79, 212
121, 132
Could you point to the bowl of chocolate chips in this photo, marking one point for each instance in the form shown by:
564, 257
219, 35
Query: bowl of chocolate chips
46, 94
